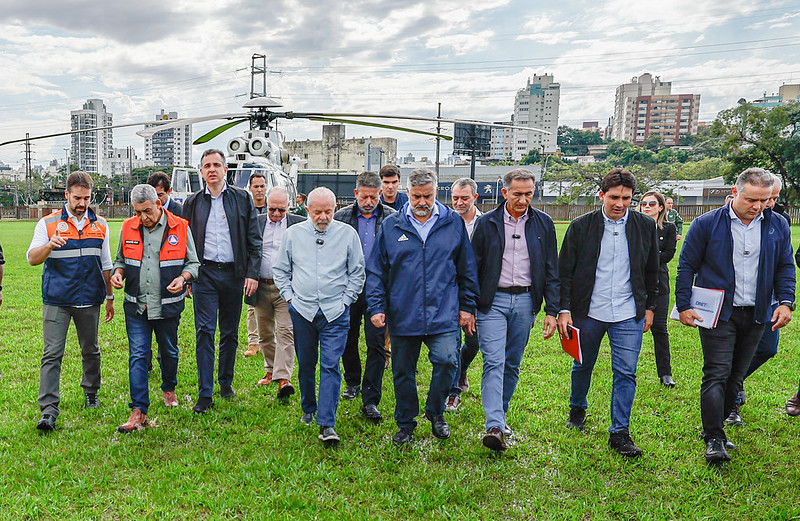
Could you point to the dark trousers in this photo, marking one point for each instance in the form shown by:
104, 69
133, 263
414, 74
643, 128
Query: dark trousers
727, 352
216, 292
661, 337
467, 353
372, 386
140, 337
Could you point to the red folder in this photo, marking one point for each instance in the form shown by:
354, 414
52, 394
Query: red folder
572, 344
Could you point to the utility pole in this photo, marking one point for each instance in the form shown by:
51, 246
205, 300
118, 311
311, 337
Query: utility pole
438, 139
28, 175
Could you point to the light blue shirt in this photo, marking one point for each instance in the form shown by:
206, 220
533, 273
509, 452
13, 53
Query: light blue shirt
746, 252
612, 297
423, 229
366, 232
218, 247
319, 271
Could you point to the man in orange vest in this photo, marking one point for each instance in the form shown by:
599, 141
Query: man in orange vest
73, 245
156, 257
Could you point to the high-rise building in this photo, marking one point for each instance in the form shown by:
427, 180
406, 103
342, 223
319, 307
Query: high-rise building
502, 141
646, 107
171, 147
536, 106
91, 149
122, 161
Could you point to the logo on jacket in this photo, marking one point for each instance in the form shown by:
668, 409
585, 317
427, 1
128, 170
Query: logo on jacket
62, 226
172, 239
402, 238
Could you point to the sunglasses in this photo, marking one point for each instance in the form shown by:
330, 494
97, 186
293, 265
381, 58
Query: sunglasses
649, 203
280, 210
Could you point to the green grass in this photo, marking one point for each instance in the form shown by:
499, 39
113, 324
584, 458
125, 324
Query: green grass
251, 458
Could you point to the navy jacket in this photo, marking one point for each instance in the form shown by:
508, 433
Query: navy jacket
242, 221
580, 250
422, 287
488, 243
707, 261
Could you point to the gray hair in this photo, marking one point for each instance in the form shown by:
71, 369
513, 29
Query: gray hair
465, 182
421, 177
756, 177
143, 193
321, 191
278, 190
517, 173
778, 182
368, 180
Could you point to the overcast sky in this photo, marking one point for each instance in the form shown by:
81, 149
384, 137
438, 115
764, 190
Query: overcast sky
391, 57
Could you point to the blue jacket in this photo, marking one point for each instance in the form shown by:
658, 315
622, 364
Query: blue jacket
707, 261
422, 287
488, 243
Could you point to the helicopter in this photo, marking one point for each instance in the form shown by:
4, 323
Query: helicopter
260, 149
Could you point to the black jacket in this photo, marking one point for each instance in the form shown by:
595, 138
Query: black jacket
175, 208
580, 250
242, 221
488, 243
291, 220
667, 242
349, 215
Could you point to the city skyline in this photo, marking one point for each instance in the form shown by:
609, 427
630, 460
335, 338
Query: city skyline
383, 57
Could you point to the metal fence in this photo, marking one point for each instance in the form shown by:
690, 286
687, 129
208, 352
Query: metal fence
558, 212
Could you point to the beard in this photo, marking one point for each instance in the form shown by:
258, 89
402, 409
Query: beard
321, 226
421, 210
367, 208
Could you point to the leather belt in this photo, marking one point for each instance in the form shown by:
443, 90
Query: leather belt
218, 265
515, 290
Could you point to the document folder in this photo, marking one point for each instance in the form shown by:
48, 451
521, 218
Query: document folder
572, 344
707, 303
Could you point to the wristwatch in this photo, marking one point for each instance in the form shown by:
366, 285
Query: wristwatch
788, 303
110, 297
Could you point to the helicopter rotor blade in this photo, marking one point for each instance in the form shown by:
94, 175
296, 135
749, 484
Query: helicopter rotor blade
208, 136
70, 132
371, 124
421, 118
174, 123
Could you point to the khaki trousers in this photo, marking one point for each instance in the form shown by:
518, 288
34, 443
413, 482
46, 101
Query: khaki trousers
252, 326
275, 335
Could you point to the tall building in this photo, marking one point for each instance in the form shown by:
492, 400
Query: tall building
171, 147
536, 106
787, 93
646, 107
90, 150
122, 161
502, 141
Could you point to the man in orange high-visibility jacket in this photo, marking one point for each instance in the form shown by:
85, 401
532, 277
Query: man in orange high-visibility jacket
73, 245
156, 257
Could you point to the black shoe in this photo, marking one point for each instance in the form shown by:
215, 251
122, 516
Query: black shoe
350, 392
439, 425
307, 418
716, 452
577, 418
622, 443
495, 440
667, 381
226, 391
203, 405
741, 397
328, 436
47, 423
371, 413
403, 436
91, 401
729, 446
734, 418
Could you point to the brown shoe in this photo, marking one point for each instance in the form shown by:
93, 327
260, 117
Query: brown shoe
137, 420
463, 383
252, 350
285, 388
266, 380
170, 400
793, 405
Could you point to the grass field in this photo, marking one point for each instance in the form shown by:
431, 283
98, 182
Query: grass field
251, 458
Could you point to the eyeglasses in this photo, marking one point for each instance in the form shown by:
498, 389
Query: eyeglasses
649, 203
280, 210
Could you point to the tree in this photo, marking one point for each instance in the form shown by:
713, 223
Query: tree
531, 158
573, 142
767, 138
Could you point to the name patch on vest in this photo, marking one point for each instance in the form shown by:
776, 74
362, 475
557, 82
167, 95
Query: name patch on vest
173, 239
131, 242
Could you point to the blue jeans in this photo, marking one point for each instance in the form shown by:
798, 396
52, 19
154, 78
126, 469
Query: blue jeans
331, 338
216, 292
442, 353
140, 336
505, 330
625, 338
466, 354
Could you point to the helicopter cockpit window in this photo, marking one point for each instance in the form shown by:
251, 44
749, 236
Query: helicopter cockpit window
194, 181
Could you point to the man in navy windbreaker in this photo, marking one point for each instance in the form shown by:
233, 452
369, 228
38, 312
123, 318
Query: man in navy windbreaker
745, 250
422, 281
